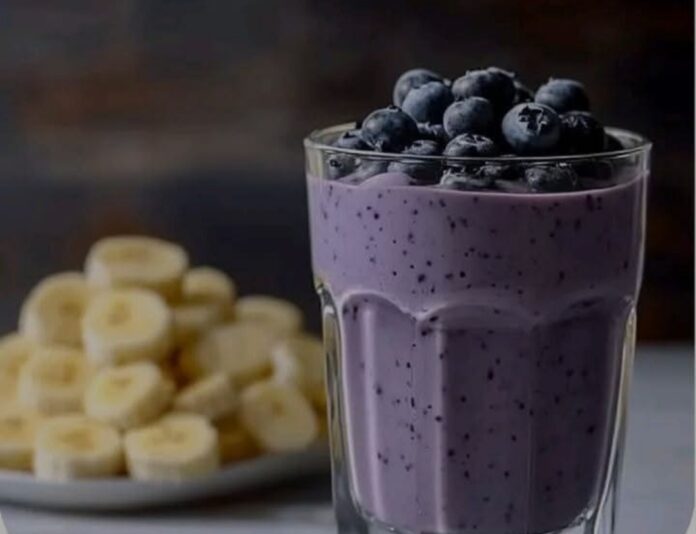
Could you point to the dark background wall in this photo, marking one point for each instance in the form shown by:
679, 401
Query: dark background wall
185, 118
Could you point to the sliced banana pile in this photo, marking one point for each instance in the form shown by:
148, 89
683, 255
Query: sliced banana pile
146, 367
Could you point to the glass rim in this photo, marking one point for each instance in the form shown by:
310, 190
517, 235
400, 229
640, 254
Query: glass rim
314, 141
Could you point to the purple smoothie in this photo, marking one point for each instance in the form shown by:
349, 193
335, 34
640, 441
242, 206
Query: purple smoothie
480, 348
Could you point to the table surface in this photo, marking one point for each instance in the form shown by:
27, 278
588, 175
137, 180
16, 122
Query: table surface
657, 489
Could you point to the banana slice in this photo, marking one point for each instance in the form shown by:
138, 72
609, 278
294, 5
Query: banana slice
278, 416
240, 350
17, 432
236, 444
177, 447
207, 298
128, 396
74, 446
127, 325
299, 360
209, 285
53, 311
280, 315
53, 380
193, 319
14, 353
134, 261
212, 397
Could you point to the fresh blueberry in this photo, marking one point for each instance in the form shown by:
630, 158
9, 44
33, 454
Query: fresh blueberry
371, 167
428, 102
493, 84
498, 171
471, 115
411, 79
436, 132
510, 74
463, 181
421, 171
611, 143
532, 129
471, 145
351, 140
522, 93
340, 165
551, 178
563, 95
423, 147
389, 129
581, 133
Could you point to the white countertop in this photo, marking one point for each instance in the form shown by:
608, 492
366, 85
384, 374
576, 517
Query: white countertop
657, 489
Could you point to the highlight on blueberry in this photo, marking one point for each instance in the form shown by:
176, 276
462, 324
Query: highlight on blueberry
411, 79
563, 95
551, 178
428, 102
532, 129
351, 140
340, 165
471, 145
471, 115
389, 129
436, 132
421, 171
493, 84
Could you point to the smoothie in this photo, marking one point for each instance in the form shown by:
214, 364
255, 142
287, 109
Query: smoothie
478, 250
481, 339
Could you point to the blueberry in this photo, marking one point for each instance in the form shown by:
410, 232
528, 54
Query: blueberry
563, 95
423, 147
611, 143
463, 181
340, 165
411, 79
532, 129
436, 132
522, 94
498, 171
428, 102
581, 133
551, 178
371, 167
351, 140
493, 84
471, 145
471, 115
420, 170
389, 129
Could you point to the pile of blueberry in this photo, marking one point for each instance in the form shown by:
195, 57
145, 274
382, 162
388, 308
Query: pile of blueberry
485, 113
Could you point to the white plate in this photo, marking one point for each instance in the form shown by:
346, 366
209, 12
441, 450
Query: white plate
124, 493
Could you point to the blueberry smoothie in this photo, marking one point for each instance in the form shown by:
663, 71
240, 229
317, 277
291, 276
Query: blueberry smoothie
482, 307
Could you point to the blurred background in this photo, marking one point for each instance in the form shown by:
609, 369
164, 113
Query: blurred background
185, 119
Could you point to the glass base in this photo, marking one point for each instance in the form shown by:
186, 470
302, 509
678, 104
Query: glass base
352, 519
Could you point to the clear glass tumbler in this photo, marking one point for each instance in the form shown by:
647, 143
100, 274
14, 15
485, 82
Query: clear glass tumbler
479, 343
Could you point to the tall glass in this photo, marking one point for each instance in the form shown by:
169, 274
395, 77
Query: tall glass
479, 343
